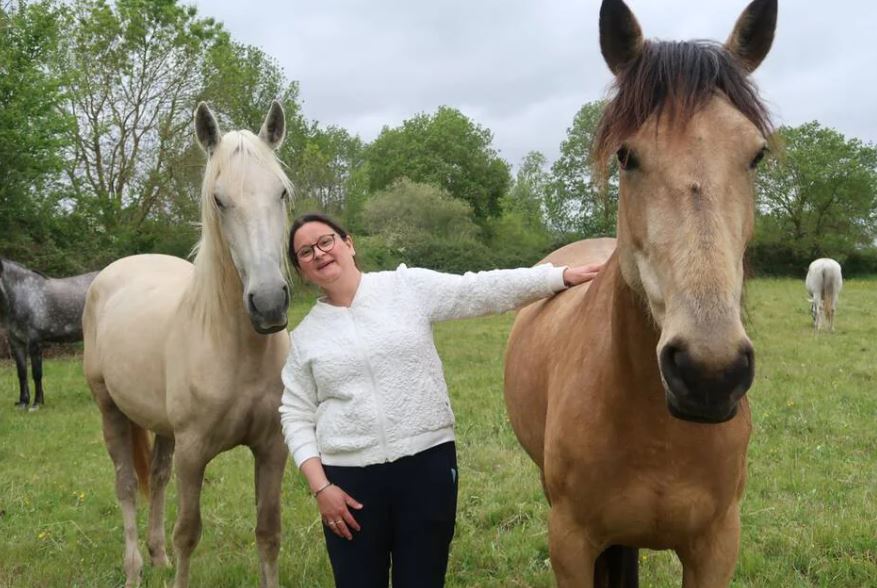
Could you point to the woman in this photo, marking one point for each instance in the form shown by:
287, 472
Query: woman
366, 412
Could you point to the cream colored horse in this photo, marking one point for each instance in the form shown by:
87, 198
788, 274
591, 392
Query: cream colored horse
193, 352
629, 392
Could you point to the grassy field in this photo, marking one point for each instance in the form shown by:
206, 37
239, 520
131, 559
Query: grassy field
809, 516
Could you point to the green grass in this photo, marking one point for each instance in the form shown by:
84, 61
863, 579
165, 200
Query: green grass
809, 515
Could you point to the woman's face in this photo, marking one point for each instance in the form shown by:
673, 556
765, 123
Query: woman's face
323, 256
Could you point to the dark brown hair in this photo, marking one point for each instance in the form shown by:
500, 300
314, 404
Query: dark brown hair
311, 217
674, 79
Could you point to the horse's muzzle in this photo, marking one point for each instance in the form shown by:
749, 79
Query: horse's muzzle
704, 393
267, 309
700, 414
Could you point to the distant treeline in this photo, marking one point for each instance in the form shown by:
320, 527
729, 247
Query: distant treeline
97, 159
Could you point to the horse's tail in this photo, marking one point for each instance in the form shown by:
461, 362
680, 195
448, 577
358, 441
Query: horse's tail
617, 567
831, 283
142, 454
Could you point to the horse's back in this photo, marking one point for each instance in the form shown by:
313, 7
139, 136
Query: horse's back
129, 309
138, 289
65, 302
824, 278
584, 252
533, 340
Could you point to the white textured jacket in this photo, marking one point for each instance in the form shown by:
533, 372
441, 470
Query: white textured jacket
364, 384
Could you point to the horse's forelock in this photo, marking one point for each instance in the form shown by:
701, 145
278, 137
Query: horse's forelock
233, 145
674, 79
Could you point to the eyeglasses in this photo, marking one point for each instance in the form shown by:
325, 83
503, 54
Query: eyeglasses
324, 244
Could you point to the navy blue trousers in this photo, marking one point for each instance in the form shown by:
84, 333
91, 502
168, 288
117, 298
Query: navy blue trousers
407, 521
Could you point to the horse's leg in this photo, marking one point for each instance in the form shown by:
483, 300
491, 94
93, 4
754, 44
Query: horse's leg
160, 471
118, 439
36, 366
572, 554
708, 560
19, 353
190, 462
270, 462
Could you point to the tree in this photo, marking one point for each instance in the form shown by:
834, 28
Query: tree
134, 75
576, 202
445, 149
528, 193
324, 169
33, 126
819, 197
521, 233
239, 83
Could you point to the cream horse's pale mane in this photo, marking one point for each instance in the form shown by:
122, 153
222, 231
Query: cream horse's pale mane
216, 287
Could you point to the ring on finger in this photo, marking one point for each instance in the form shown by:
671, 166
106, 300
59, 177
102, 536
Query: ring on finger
332, 523
338, 522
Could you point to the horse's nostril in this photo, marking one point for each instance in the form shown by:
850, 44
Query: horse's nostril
674, 361
748, 355
681, 358
252, 300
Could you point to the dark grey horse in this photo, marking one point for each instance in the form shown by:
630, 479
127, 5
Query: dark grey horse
35, 309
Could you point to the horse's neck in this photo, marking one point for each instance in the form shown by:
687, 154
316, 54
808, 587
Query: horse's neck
633, 338
214, 298
23, 287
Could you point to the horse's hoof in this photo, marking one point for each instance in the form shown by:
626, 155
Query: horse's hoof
21, 405
34, 408
161, 560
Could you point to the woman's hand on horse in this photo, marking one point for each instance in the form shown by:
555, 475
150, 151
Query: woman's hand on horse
333, 503
573, 276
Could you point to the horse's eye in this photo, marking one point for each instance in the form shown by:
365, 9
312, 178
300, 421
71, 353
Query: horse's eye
218, 202
285, 195
626, 160
758, 157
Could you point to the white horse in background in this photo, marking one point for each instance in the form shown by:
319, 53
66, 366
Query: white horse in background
823, 283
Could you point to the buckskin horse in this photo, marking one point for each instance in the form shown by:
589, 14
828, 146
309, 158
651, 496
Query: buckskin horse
629, 393
193, 352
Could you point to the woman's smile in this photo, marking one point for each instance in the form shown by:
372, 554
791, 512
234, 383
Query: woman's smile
324, 263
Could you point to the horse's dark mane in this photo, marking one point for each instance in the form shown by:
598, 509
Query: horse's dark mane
674, 79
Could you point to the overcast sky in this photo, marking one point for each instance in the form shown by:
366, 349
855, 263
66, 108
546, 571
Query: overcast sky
523, 68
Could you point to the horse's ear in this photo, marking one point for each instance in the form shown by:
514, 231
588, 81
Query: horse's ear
621, 39
206, 129
274, 128
753, 34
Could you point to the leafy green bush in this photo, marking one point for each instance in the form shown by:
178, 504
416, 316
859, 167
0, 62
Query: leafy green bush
409, 211
861, 263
